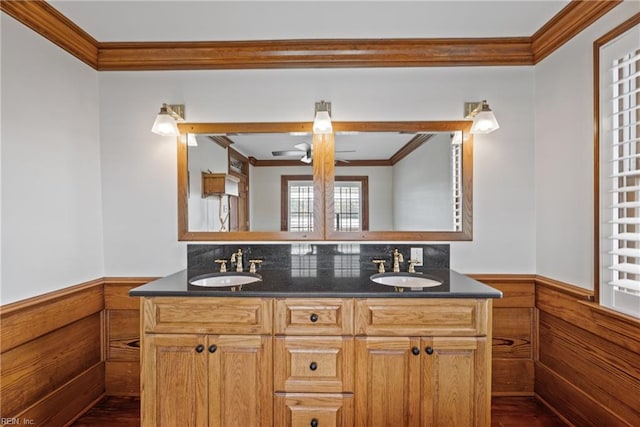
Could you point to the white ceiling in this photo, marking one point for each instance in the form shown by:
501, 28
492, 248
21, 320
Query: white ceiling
349, 146
174, 20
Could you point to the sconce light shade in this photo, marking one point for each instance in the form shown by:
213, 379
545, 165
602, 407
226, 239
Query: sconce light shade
322, 121
191, 140
165, 123
484, 121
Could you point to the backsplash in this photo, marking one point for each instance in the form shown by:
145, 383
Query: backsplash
345, 257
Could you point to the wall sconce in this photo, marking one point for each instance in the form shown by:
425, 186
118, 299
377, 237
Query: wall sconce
484, 121
322, 120
165, 124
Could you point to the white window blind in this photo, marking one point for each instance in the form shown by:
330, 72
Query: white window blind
620, 173
456, 171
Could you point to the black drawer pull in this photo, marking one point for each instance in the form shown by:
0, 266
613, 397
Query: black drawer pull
213, 348
415, 351
314, 423
313, 317
313, 366
429, 350
200, 348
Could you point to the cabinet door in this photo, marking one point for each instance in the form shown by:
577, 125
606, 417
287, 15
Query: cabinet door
174, 380
387, 381
240, 380
455, 374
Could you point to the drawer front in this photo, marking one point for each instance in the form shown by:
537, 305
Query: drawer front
208, 315
313, 364
422, 317
314, 317
308, 409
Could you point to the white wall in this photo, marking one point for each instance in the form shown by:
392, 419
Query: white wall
264, 194
139, 168
564, 154
380, 194
422, 187
51, 195
204, 214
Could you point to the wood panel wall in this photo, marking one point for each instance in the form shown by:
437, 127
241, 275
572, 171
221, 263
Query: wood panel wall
52, 355
588, 364
122, 337
513, 334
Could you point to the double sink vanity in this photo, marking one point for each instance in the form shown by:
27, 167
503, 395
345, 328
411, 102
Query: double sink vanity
316, 336
330, 333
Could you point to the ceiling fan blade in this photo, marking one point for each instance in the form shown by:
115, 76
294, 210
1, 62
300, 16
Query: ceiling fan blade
303, 146
287, 153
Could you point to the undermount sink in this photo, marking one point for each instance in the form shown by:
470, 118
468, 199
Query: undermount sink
222, 280
414, 281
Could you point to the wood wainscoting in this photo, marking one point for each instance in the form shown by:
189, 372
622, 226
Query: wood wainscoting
63, 351
588, 364
514, 319
52, 355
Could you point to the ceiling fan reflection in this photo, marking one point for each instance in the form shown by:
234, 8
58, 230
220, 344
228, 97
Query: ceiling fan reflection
305, 152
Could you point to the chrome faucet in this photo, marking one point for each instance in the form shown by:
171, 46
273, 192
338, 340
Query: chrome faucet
237, 258
397, 259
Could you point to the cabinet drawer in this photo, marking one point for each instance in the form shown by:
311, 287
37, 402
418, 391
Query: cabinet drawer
420, 317
208, 315
314, 317
313, 364
301, 409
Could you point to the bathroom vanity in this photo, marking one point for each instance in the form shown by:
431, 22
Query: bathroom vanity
321, 350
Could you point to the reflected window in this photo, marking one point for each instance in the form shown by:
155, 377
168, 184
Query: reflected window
297, 203
351, 203
304, 261
347, 264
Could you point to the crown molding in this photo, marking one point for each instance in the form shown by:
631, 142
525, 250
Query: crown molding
45, 20
334, 53
317, 53
566, 24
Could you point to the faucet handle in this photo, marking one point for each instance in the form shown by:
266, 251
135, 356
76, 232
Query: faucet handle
223, 265
252, 267
412, 263
380, 263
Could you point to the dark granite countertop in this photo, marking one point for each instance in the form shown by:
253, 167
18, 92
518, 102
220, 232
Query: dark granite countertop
321, 283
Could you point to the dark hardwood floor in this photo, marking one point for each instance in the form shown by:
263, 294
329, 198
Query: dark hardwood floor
505, 412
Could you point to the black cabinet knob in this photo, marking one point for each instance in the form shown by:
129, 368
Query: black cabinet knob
213, 348
429, 350
313, 317
313, 366
314, 423
415, 351
200, 348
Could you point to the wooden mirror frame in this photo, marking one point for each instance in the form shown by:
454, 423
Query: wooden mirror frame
467, 182
323, 182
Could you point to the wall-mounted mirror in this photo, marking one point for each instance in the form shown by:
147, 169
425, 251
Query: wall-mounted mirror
373, 181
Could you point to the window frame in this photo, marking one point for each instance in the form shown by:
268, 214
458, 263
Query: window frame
597, 195
284, 196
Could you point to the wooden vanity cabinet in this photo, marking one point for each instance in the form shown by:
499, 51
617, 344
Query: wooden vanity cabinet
415, 370
220, 374
316, 362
